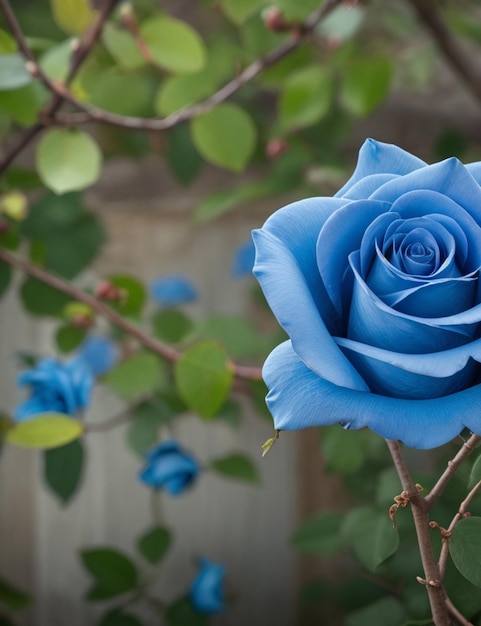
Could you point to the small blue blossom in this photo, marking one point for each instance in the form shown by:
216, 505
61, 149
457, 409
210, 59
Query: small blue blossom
172, 291
243, 261
169, 467
55, 386
207, 590
99, 353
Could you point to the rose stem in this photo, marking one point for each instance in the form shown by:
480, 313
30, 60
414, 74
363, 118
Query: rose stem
420, 510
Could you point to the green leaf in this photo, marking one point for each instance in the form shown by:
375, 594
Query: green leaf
236, 466
236, 334
48, 431
182, 158
342, 23
343, 454
204, 377
221, 202
72, 236
319, 534
121, 45
230, 414
5, 276
13, 598
171, 325
371, 535
238, 11
366, 84
143, 431
475, 475
63, 469
386, 611
13, 73
134, 295
23, 104
226, 136
68, 160
41, 299
68, 338
114, 573
306, 97
182, 613
117, 617
141, 373
465, 596
465, 549
154, 544
173, 44
178, 92
73, 16
119, 91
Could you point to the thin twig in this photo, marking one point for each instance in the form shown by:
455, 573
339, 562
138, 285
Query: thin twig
419, 510
91, 113
468, 447
459, 617
459, 59
78, 57
160, 348
463, 509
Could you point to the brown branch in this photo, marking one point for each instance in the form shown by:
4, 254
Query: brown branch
160, 348
459, 617
432, 582
78, 57
468, 447
460, 61
92, 113
463, 509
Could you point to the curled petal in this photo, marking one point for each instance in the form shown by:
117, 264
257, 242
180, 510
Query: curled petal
376, 157
299, 399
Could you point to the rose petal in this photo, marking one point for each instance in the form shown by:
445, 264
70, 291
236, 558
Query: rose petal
294, 305
376, 157
449, 178
373, 322
299, 399
341, 234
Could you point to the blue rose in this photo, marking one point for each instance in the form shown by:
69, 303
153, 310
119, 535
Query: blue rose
55, 386
207, 591
172, 290
99, 353
378, 289
169, 467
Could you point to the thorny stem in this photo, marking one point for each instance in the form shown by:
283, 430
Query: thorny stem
453, 464
432, 582
163, 349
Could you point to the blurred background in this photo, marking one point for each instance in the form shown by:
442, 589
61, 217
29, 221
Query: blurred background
171, 203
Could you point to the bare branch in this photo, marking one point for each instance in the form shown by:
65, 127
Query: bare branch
160, 348
454, 53
92, 113
468, 447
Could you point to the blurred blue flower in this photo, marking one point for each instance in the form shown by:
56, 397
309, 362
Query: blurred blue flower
99, 353
170, 467
55, 386
207, 591
172, 291
243, 261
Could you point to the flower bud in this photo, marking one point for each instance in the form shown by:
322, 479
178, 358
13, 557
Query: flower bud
274, 20
108, 291
276, 147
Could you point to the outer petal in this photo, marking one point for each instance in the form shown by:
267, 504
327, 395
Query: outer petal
294, 305
376, 157
300, 399
449, 178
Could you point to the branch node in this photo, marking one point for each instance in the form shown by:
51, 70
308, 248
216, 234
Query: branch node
32, 68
